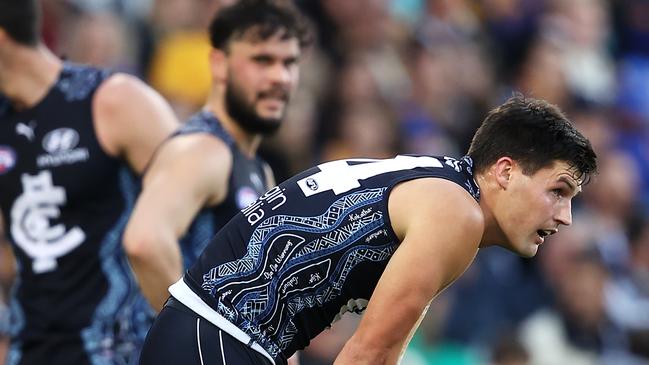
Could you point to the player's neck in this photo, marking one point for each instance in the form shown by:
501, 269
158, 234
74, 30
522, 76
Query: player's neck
492, 234
28, 75
248, 143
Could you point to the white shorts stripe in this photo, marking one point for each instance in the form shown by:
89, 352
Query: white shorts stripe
198, 339
221, 342
185, 295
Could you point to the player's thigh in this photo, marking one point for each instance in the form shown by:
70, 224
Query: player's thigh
171, 340
180, 337
220, 348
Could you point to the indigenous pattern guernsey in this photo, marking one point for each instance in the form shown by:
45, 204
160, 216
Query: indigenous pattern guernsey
308, 250
65, 204
247, 182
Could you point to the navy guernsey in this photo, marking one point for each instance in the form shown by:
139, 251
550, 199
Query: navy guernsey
65, 203
246, 183
309, 250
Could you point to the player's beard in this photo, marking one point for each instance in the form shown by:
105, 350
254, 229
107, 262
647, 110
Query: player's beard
244, 113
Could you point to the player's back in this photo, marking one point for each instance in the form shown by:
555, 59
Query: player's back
308, 250
65, 203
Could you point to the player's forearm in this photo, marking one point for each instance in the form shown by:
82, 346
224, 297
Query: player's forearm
157, 264
359, 353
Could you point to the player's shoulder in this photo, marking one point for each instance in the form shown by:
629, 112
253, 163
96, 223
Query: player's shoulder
121, 89
433, 201
201, 145
199, 150
205, 122
433, 192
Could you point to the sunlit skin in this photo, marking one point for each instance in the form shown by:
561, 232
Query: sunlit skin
526, 208
266, 72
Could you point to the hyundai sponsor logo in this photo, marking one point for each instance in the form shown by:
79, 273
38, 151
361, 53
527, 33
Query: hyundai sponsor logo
60, 140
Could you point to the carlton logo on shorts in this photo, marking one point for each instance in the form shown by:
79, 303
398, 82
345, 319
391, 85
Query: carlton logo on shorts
7, 159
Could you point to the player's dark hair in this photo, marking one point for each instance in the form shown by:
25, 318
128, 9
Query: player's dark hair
260, 19
21, 20
535, 133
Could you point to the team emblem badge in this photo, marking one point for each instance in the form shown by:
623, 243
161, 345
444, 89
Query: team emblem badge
7, 159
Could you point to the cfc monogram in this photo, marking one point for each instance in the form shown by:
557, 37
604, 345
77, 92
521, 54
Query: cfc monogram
31, 228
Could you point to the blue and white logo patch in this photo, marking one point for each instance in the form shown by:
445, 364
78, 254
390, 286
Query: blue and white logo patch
245, 196
7, 159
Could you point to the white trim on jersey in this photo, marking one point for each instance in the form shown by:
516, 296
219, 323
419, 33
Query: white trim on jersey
185, 295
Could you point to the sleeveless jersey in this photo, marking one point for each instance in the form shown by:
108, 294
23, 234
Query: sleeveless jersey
65, 203
309, 250
246, 183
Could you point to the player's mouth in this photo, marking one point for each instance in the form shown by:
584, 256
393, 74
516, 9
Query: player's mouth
542, 233
275, 102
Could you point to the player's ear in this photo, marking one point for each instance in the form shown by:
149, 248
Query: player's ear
218, 64
502, 170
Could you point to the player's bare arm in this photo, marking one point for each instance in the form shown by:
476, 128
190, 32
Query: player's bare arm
131, 119
440, 226
7, 266
190, 172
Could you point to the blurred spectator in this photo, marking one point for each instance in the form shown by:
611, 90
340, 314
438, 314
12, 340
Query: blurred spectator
509, 351
511, 25
627, 297
633, 26
542, 74
508, 289
179, 68
365, 130
608, 203
574, 331
581, 30
100, 39
430, 346
413, 76
449, 89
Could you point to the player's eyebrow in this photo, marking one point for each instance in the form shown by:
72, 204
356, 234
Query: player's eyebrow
575, 188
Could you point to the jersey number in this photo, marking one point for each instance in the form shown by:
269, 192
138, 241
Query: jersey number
341, 176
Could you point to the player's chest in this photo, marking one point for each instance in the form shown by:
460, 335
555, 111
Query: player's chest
46, 154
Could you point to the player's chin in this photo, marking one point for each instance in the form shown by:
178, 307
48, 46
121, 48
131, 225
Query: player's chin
524, 248
273, 109
528, 250
271, 115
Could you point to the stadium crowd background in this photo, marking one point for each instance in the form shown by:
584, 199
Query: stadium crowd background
417, 76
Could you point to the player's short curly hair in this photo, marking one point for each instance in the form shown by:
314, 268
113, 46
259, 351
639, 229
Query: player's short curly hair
535, 133
260, 19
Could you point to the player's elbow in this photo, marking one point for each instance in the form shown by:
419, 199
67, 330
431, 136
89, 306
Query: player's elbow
138, 243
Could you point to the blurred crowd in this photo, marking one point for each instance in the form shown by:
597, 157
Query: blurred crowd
417, 76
